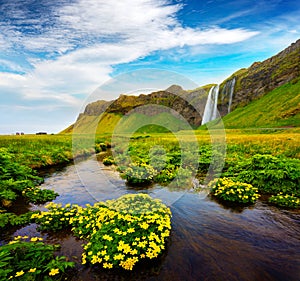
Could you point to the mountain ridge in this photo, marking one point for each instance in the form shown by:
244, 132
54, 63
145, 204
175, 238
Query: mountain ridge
250, 84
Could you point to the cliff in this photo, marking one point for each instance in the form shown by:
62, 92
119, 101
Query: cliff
262, 77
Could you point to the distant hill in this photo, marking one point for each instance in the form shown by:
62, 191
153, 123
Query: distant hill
267, 94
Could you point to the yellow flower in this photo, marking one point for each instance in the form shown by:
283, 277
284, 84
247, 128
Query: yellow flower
19, 273
107, 237
94, 259
53, 271
144, 225
34, 239
134, 252
107, 265
130, 230
119, 257
129, 263
32, 270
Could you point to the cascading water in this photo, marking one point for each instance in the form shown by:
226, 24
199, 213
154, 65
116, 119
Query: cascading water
227, 93
211, 107
231, 88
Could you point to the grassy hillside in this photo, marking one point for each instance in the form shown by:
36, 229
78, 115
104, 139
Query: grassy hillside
109, 122
278, 108
159, 123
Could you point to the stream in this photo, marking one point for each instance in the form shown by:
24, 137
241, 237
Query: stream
208, 241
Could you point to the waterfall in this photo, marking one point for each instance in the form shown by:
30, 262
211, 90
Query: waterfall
231, 88
211, 106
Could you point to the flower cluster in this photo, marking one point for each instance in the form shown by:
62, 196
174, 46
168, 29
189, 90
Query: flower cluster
139, 173
119, 232
57, 218
228, 190
124, 231
285, 200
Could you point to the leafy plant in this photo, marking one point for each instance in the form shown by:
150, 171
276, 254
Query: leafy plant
269, 173
234, 191
27, 258
10, 219
285, 200
18, 180
139, 173
39, 196
107, 161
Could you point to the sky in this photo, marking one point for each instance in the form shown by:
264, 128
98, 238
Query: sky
55, 53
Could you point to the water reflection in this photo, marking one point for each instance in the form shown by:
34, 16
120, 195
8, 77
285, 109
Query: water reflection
208, 241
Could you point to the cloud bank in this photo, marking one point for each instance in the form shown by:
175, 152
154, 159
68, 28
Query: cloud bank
72, 47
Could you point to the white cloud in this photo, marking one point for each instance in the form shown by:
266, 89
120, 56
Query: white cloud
90, 37
11, 80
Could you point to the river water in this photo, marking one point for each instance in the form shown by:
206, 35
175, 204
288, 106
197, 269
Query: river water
208, 241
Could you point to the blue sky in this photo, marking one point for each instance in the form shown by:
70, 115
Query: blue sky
55, 53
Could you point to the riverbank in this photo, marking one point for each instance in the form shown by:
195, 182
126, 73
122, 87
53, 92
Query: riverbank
208, 240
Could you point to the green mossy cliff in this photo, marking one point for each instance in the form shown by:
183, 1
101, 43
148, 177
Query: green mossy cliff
262, 77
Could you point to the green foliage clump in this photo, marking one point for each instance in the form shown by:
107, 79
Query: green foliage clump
285, 200
107, 161
38, 196
10, 219
99, 147
269, 173
14, 178
31, 260
139, 173
234, 191
18, 180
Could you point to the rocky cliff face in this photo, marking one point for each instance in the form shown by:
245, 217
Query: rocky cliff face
262, 77
189, 105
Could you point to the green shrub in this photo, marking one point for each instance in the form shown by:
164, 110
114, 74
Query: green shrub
166, 175
285, 200
18, 180
10, 219
183, 178
31, 260
99, 147
139, 173
234, 191
269, 173
38, 196
107, 161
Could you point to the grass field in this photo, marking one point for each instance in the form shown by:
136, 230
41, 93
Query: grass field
44, 150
